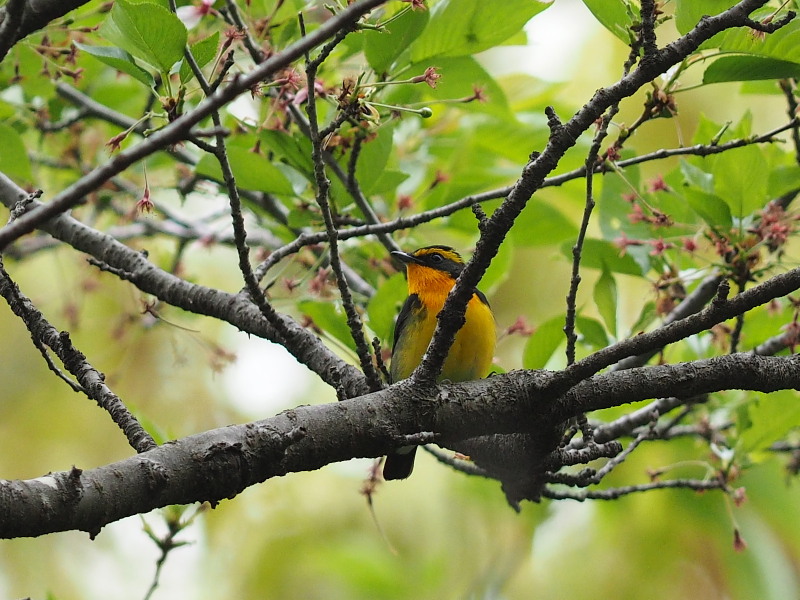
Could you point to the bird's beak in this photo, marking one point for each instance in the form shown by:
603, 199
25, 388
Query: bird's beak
404, 257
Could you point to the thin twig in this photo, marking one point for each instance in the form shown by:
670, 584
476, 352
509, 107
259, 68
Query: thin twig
90, 379
615, 493
323, 201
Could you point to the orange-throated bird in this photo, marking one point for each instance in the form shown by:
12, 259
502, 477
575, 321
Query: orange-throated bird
432, 273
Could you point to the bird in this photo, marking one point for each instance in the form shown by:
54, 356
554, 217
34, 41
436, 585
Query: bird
432, 272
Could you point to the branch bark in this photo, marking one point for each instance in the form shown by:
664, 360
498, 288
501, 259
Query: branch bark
219, 464
236, 309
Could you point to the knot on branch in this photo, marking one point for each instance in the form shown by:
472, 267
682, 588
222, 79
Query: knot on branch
553, 122
723, 291
480, 214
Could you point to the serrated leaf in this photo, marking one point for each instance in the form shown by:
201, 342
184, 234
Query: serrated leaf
783, 180
118, 59
384, 305
749, 68
697, 177
147, 31
294, 150
541, 224
500, 268
711, 208
14, 160
689, 12
739, 179
389, 180
605, 298
646, 316
252, 171
543, 343
783, 44
382, 48
330, 317
373, 158
462, 27
771, 417
592, 332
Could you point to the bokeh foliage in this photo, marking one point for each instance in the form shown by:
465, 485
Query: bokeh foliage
660, 227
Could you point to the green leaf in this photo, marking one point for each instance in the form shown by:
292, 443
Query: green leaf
739, 179
783, 180
592, 332
543, 343
330, 317
749, 68
646, 316
120, 60
600, 254
711, 208
615, 207
697, 177
689, 12
294, 150
605, 298
204, 52
373, 158
147, 31
614, 15
382, 48
14, 160
461, 27
541, 224
384, 305
460, 76
771, 417
500, 268
388, 181
783, 44
252, 171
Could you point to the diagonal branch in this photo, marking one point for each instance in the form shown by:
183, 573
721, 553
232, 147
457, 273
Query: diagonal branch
90, 379
181, 127
562, 138
236, 309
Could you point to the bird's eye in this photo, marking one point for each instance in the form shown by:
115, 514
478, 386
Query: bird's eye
436, 258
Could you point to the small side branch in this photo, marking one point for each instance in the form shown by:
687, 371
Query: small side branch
699, 485
323, 201
90, 379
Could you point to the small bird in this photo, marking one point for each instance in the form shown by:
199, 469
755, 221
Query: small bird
432, 273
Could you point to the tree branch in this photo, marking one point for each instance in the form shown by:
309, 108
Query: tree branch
180, 128
561, 139
90, 379
20, 19
219, 464
235, 309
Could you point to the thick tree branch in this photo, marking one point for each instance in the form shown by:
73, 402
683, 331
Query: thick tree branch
219, 464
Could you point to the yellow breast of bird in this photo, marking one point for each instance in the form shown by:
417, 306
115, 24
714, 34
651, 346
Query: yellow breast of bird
471, 354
